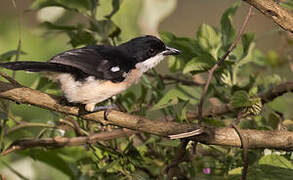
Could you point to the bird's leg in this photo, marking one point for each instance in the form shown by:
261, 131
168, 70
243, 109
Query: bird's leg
93, 108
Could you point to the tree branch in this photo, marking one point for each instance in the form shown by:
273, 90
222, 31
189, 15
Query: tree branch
24, 95
256, 139
63, 141
273, 10
217, 136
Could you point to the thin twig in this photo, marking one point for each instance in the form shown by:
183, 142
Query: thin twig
26, 125
10, 79
63, 141
78, 130
211, 71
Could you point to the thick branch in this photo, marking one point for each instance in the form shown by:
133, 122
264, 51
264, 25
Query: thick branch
270, 8
256, 139
282, 140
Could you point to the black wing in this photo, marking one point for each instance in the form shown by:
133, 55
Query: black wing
103, 62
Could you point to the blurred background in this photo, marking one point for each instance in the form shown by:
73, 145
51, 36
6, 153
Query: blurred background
180, 17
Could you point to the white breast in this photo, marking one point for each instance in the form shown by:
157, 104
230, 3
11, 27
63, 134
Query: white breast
144, 66
92, 91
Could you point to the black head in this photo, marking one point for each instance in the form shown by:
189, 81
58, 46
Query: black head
145, 47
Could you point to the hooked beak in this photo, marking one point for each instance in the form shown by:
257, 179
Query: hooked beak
171, 51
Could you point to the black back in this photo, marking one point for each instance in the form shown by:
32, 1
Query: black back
98, 60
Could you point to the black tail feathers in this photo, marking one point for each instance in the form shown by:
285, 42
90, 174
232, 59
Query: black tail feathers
34, 66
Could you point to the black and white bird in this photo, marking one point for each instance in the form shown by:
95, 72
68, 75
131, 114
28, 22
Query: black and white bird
94, 73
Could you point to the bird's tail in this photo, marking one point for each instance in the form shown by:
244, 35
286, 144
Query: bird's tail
34, 66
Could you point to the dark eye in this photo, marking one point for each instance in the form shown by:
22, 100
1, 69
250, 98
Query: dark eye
152, 51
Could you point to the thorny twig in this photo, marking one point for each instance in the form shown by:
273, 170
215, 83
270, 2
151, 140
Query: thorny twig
211, 71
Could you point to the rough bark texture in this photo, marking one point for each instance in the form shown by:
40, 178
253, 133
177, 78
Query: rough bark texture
271, 9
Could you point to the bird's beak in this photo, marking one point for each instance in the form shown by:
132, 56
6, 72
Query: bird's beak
171, 51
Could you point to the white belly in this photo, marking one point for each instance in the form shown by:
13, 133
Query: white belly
92, 91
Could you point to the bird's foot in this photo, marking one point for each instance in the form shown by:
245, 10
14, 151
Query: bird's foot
106, 109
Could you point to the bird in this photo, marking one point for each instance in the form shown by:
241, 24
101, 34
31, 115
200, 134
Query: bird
92, 74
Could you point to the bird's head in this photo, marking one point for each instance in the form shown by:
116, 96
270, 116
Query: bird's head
147, 51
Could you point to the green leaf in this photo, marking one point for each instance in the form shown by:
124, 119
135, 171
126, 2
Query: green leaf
236, 54
199, 64
167, 37
270, 167
283, 104
188, 47
263, 172
247, 41
175, 64
248, 49
240, 99
181, 92
209, 40
169, 99
53, 159
228, 31
80, 37
52, 26
105, 28
116, 6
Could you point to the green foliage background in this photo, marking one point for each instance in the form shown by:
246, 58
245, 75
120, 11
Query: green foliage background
246, 72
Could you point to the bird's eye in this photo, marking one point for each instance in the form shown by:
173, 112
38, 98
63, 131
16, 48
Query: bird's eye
152, 51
